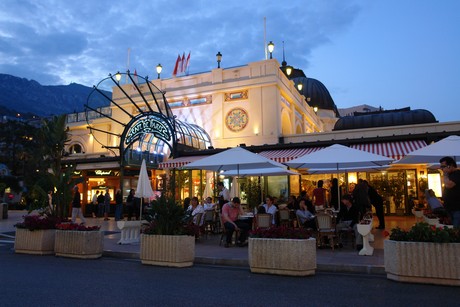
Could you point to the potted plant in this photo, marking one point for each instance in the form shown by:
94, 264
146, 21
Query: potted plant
35, 235
78, 241
282, 251
423, 254
167, 239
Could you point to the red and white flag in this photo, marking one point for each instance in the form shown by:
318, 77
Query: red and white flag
187, 62
177, 66
182, 66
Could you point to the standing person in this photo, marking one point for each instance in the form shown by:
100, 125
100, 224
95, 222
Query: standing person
334, 194
50, 209
130, 204
230, 212
94, 203
224, 194
451, 193
107, 200
319, 196
361, 197
76, 206
377, 202
118, 205
100, 205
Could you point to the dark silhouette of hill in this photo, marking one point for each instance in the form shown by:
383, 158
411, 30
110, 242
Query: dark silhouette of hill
19, 95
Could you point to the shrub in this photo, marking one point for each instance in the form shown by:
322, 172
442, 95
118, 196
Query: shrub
38, 222
281, 233
422, 232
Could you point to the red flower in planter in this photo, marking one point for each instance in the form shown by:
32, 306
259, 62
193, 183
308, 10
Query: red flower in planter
77, 227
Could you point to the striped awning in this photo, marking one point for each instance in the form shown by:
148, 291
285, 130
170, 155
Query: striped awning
395, 150
285, 155
179, 162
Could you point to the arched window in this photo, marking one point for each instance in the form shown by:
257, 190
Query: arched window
75, 149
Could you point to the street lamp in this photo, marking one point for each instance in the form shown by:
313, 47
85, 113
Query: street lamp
300, 86
271, 47
118, 76
315, 108
159, 69
219, 58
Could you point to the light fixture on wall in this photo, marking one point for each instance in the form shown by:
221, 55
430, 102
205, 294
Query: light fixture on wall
271, 47
159, 69
219, 58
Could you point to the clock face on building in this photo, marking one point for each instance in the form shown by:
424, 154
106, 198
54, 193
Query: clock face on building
236, 119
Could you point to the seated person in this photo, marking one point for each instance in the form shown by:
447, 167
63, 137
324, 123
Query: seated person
305, 215
433, 202
208, 205
348, 218
271, 208
194, 209
293, 204
230, 212
261, 209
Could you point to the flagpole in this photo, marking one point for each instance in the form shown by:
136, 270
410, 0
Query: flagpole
265, 38
127, 63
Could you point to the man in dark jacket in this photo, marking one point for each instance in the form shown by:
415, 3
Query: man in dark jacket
348, 218
377, 202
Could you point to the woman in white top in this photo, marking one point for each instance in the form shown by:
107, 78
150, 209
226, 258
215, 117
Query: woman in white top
195, 208
271, 208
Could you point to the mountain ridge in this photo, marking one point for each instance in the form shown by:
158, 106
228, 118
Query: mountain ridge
20, 95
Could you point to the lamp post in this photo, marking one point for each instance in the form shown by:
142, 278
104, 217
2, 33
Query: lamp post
219, 58
159, 69
300, 86
288, 69
118, 76
315, 108
271, 47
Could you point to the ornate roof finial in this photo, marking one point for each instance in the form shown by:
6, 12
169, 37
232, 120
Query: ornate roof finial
284, 63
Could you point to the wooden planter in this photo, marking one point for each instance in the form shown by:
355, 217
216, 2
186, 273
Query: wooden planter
421, 262
79, 244
37, 242
172, 251
282, 256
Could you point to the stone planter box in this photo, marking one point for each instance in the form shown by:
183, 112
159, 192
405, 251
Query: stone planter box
37, 242
171, 251
282, 256
422, 262
79, 244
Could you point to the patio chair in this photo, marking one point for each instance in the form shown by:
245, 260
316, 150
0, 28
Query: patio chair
209, 222
325, 230
236, 233
284, 217
263, 220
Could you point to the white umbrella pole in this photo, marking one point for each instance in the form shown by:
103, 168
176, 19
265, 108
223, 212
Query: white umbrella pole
140, 210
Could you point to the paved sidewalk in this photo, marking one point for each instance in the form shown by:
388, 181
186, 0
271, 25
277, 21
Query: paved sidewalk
208, 251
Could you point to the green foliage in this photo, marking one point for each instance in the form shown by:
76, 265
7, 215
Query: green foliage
422, 232
166, 217
252, 190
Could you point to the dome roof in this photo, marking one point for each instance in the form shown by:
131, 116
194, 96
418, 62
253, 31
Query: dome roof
385, 118
315, 92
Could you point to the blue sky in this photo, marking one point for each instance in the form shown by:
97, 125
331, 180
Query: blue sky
389, 53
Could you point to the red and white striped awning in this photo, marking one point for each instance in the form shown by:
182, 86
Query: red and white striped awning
179, 162
395, 150
285, 155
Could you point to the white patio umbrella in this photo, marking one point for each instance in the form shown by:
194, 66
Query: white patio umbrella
144, 186
449, 146
235, 188
236, 158
271, 171
339, 157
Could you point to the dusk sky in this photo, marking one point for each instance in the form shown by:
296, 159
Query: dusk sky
388, 53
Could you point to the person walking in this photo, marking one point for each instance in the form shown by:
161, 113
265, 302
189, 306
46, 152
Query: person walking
130, 204
377, 202
94, 203
107, 200
100, 205
118, 205
76, 206
451, 193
